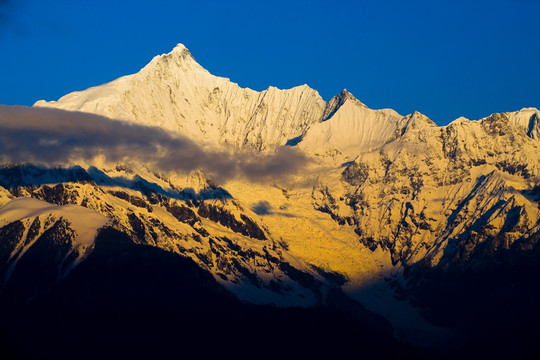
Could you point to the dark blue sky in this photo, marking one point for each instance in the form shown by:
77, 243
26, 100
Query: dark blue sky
443, 58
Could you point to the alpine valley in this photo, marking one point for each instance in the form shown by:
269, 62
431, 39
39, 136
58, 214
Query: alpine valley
303, 226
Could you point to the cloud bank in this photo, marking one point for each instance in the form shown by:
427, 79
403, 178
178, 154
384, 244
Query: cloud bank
56, 137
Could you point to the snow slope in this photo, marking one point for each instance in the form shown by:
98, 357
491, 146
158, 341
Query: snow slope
174, 92
385, 196
84, 221
42, 242
351, 128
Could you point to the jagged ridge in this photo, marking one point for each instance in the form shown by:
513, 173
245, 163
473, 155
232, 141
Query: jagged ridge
385, 195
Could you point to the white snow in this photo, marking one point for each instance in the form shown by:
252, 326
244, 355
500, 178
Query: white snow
457, 169
174, 92
84, 221
352, 129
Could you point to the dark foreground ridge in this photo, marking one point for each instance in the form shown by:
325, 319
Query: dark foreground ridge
137, 301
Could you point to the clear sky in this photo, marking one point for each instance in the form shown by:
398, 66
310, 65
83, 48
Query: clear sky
443, 58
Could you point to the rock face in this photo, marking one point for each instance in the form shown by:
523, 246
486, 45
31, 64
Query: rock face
218, 233
431, 187
388, 202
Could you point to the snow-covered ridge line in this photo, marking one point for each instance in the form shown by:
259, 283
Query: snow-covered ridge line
84, 221
176, 93
384, 195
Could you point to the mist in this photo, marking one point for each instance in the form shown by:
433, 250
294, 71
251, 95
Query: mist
55, 137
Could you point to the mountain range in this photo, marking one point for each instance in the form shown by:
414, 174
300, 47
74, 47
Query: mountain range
370, 231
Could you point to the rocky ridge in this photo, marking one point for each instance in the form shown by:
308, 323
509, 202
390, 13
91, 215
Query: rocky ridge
390, 201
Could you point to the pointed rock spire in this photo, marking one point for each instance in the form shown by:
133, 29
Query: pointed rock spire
337, 101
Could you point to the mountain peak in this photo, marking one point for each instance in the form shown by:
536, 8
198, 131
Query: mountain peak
345, 95
179, 47
337, 101
528, 119
181, 50
415, 121
178, 57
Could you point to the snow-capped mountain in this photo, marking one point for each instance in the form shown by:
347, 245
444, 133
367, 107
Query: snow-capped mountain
350, 128
174, 92
390, 216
